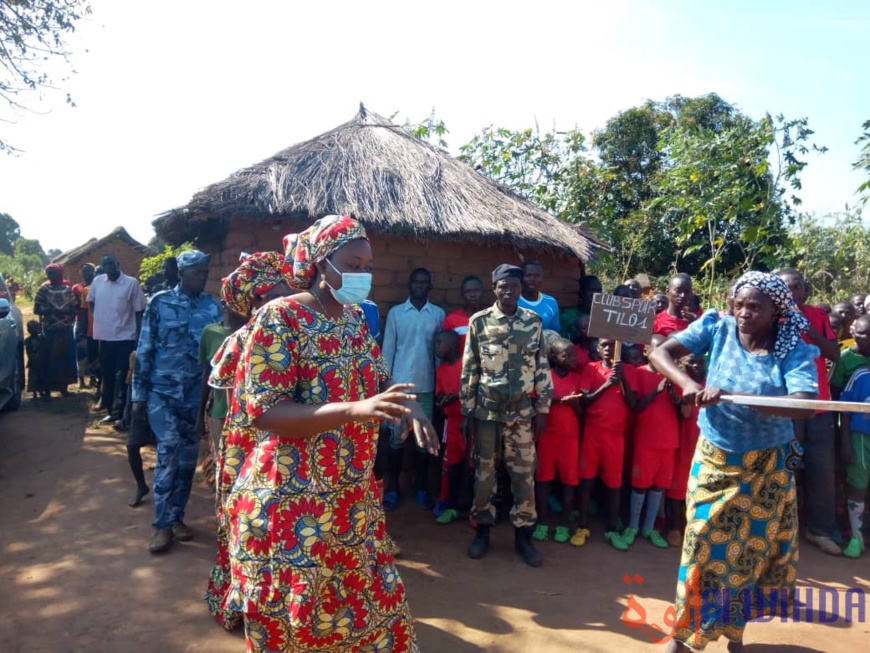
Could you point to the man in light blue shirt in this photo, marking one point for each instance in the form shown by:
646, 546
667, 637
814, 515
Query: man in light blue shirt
534, 300
409, 351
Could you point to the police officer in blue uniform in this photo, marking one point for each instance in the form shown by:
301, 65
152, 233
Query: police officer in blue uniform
166, 384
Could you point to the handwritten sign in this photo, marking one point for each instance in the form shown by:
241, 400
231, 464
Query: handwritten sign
624, 319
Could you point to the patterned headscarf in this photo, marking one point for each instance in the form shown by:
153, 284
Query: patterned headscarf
256, 275
59, 268
304, 250
793, 323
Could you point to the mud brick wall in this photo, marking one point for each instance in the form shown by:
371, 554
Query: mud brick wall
129, 259
394, 259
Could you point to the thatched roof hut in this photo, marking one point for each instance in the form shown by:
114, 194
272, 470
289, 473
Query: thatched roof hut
417, 202
121, 244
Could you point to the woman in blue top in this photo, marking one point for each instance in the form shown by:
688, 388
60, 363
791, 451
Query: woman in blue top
740, 550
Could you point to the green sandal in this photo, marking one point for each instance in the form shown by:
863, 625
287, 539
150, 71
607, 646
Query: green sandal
562, 535
447, 517
541, 533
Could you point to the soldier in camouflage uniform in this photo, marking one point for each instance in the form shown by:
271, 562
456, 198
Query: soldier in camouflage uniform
166, 380
503, 366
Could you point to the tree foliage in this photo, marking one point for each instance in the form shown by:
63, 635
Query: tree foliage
32, 33
729, 193
863, 162
688, 183
833, 253
150, 265
10, 231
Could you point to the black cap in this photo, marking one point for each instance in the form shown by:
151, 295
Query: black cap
505, 271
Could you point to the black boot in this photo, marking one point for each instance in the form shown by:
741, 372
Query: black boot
480, 544
523, 545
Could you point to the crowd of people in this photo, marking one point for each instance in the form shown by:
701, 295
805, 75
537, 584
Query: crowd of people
311, 411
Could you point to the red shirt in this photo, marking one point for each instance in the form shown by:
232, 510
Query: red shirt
80, 290
457, 321
582, 356
657, 425
608, 412
818, 319
448, 377
562, 420
666, 324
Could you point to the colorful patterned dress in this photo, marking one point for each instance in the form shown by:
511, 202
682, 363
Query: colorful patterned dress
311, 567
234, 446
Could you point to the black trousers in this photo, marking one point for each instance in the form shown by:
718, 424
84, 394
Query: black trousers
114, 365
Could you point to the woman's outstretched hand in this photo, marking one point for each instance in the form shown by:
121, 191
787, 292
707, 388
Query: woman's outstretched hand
424, 433
392, 405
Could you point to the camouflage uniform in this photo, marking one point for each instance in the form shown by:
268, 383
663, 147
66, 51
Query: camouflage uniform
167, 375
504, 364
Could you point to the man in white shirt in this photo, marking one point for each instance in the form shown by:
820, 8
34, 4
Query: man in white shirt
117, 304
409, 351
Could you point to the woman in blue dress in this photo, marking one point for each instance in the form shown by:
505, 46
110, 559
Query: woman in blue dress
740, 550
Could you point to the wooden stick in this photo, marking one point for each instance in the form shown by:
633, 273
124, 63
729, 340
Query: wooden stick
792, 402
617, 351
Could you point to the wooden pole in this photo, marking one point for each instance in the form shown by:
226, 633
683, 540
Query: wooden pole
792, 402
617, 351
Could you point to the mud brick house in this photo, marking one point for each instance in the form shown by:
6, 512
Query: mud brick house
420, 206
126, 249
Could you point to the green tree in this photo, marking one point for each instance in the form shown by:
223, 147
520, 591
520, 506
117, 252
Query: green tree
33, 32
832, 252
151, 264
9, 233
730, 194
30, 247
863, 162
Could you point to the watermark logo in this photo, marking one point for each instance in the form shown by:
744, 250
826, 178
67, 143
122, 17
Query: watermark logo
708, 610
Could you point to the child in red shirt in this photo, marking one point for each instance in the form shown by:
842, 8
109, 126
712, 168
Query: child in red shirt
607, 395
471, 290
583, 343
448, 376
656, 440
689, 432
677, 316
558, 447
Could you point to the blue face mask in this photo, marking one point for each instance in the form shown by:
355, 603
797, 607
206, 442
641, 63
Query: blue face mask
355, 286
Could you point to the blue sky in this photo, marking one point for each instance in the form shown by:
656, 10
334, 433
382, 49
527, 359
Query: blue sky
173, 96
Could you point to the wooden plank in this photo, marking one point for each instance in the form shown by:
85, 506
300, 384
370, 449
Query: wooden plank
624, 319
793, 402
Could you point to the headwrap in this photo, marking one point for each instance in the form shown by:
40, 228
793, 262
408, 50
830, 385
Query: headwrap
59, 268
304, 250
256, 275
793, 323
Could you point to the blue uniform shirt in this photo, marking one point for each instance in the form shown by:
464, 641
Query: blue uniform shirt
373, 318
167, 357
858, 389
740, 428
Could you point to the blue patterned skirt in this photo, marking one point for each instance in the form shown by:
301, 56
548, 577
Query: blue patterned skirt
740, 551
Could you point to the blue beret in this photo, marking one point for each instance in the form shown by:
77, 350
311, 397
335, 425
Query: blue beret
192, 257
505, 271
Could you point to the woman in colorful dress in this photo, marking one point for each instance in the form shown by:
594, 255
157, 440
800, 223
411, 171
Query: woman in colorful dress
310, 560
740, 549
56, 306
260, 278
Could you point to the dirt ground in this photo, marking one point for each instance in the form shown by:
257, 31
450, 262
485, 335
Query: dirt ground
75, 574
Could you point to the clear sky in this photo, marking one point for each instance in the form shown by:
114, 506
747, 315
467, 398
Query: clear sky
175, 95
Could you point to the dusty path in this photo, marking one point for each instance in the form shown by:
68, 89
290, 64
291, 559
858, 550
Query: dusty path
75, 574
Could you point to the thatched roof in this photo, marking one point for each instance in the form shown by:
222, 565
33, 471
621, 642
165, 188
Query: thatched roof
95, 243
388, 179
